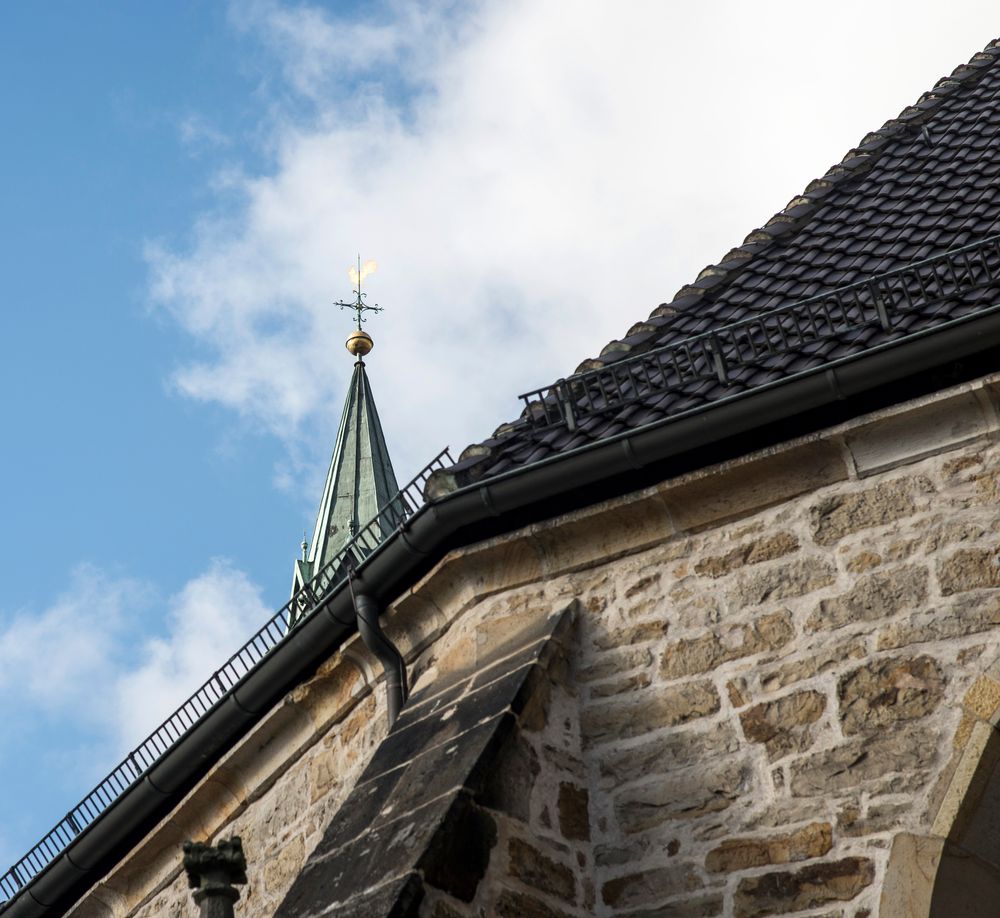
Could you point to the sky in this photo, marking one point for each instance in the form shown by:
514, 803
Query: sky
185, 186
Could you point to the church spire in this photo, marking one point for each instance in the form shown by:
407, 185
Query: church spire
360, 481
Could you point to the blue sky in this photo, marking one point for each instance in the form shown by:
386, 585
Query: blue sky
184, 188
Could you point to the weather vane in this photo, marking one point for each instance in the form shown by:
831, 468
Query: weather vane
357, 275
360, 342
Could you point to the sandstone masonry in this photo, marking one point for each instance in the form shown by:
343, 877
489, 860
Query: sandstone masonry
777, 700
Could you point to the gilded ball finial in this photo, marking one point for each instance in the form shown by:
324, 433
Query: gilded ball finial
359, 343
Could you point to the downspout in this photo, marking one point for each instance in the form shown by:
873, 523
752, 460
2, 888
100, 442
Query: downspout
367, 611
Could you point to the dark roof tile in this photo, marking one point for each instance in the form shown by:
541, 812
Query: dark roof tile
921, 185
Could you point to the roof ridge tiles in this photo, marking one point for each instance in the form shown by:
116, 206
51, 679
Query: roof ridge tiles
714, 283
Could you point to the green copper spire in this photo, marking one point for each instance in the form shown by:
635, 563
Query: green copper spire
360, 481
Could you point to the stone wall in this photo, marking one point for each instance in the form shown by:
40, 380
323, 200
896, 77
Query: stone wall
781, 680
278, 791
774, 660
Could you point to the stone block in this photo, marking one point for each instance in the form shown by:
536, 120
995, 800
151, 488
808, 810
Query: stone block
916, 433
782, 581
643, 712
573, 805
534, 868
688, 794
765, 548
632, 633
650, 886
612, 662
813, 840
886, 692
839, 515
330, 694
878, 595
667, 752
983, 699
511, 903
783, 725
744, 487
704, 653
880, 817
621, 686
806, 667
283, 866
598, 534
810, 887
970, 569
926, 876
864, 761
967, 615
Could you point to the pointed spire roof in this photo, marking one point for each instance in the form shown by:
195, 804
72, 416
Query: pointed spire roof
360, 481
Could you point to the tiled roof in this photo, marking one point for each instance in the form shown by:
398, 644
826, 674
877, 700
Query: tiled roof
925, 183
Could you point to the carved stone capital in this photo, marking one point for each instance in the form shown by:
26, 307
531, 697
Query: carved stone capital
214, 873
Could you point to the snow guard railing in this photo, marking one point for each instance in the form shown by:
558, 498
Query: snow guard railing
406, 502
884, 300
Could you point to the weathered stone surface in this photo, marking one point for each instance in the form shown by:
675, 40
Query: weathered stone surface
878, 595
621, 685
813, 840
643, 712
613, 662
694, 907
782, 725
747, 486
644, 584
841, 514
880, 817
284, 866
531, 866
508, 787
650, 886
863, 760
782, 581
574, 811
885, 692
863, 561
704, 653
983, 698
764, 549
967, 615
970, 569
682, 795
806, 667
667, 752
812, 886
738, 692
443, 909
634, 633
513, 904
692, 607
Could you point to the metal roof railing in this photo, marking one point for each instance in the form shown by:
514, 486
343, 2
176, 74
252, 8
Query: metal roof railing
392, 517
883, 300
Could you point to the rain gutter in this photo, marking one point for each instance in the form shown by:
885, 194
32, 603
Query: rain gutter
488, 508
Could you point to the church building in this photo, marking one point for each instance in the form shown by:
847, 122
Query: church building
711, 629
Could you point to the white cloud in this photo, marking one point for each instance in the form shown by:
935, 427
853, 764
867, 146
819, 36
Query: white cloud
197, 133
211, 618
81, 661
532, 179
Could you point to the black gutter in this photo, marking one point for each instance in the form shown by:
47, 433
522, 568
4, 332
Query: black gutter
476, 511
